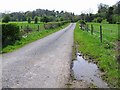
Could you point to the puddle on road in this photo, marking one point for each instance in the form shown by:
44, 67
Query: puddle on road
89, 72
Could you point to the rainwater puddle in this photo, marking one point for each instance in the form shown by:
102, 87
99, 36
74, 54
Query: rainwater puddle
89, 72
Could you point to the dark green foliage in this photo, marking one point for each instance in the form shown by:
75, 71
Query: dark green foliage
82, 22
6, 19
102, 10
44, 19
51, 15
47, 19
99, 19
61, 19
29, 20
109, 15
89, 17
36, 20
10, 33
118, 8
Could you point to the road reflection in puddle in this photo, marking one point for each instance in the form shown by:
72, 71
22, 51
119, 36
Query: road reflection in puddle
83, 70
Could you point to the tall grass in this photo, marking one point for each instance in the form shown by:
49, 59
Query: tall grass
90, 46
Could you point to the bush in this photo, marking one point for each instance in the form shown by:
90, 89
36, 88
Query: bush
82, 22
10, 33
52, 25
45, 19
29, 20
105, 21
36, 19
6, 19
116, 18
94, 20
99, 19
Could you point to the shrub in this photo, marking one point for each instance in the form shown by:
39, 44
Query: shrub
94, 20
82, 22
29, 20
10, 33
6, 19
105, 21
52, 25
99, 19
36, 19
44, 19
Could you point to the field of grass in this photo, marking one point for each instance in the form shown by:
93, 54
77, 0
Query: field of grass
104, 54
110, 31
30, 25
31, 36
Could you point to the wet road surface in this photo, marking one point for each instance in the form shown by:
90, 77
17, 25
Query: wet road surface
44, 63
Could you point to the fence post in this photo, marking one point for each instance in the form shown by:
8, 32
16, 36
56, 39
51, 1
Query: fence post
92, 29
44, 26
118, 31
21, 27
87, 27
38, 28
100, 33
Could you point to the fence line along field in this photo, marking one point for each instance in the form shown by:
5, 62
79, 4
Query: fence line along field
25, 25
109, 31
106, 33
17, 34
103, 54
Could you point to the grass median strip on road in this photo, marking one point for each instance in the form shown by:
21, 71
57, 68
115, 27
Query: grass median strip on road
105, 58
30, 38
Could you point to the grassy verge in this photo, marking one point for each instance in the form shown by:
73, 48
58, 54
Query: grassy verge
30, 38
105, 58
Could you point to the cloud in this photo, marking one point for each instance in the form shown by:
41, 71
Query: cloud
76, 6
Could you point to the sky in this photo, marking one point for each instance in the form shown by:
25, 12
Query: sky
75, 6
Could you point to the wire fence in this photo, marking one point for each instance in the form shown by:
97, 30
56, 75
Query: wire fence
104, 34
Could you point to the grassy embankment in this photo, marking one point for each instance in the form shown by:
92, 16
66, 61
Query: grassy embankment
103, 54
35, 35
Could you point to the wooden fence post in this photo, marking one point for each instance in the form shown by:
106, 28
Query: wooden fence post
87, 27
44, 26
21, 27
38, 28
92, 29
100, 33
118, 31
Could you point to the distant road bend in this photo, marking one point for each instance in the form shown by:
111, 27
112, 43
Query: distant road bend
44, 63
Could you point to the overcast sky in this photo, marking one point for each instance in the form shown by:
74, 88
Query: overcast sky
76, 6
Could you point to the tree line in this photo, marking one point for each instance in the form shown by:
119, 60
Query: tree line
39, 15
106, 13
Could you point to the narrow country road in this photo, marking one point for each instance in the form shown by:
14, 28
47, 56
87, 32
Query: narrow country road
44, 63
